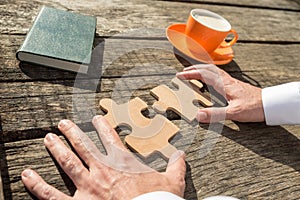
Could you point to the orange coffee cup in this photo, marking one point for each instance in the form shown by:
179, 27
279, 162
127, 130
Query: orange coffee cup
209, 30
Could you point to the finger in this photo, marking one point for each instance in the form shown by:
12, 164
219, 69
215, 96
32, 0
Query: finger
119, 157
108, 135
210, 67
177, 163
204, 75
85, 148
209, 115
69, 162
37, 186
208, 77
198, 74
176, 168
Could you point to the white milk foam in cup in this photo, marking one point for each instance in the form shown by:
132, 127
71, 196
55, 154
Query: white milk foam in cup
213, 22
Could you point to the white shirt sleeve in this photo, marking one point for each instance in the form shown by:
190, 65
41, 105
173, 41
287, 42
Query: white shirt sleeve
282, 104
161, 195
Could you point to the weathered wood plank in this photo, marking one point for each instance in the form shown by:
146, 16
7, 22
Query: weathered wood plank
28, 107
277, 61
131, 57
269, 4
248, 161
21, 115
128, 57
251, 24
1, 163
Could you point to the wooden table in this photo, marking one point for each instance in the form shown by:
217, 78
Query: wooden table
247, 160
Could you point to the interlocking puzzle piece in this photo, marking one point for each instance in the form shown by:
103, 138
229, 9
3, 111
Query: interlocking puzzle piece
147, 135
180, 101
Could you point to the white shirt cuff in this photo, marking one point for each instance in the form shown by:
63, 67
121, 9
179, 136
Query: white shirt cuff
158, 195
161, 195
282, 104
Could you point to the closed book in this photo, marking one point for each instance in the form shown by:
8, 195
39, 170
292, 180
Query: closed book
59, 39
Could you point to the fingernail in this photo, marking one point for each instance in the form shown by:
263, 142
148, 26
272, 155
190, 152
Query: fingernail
179, 75
63, 123
176, 155
201, 116
50, 137
27, 173
98, 117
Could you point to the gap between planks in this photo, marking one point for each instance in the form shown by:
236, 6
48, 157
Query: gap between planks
233, 5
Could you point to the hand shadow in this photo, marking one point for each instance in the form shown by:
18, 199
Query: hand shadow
232, 67
190, 192
273, 142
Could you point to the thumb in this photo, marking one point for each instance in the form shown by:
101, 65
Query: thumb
207, 115
176, 166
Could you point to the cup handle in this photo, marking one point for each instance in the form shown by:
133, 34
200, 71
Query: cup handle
233, 41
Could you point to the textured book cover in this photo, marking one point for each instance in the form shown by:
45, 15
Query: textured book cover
60, 39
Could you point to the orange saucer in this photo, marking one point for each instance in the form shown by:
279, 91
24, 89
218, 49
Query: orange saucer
176, 35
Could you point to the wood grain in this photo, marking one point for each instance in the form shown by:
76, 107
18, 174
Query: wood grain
30, 104
244, 160
116, 16
292, 5
146, 57
43, 103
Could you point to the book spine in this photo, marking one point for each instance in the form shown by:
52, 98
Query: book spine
29, 33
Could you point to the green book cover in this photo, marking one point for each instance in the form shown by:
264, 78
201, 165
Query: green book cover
60, 39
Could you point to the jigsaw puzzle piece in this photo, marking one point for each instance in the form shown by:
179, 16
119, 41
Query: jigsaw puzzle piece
166, 99
180, 101
154, 138
147, 135
193, 85
128, 114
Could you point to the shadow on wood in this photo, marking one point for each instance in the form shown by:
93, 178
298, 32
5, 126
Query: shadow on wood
40, 72
7, 193
3, 170
235, 71
5, 190
66, 179
273, 142
190, 192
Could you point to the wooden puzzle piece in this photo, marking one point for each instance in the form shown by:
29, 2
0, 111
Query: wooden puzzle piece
180, 101
147, 135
